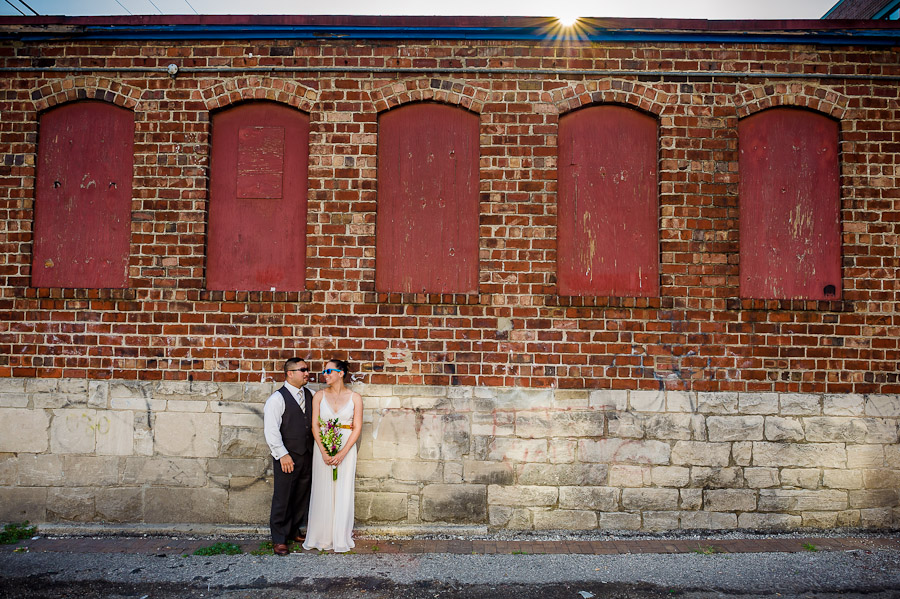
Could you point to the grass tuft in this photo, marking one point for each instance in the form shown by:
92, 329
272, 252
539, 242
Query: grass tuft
219, 549
15, 532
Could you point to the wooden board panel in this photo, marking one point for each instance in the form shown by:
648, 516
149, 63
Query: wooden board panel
427, 220
82, 213
608, 216
790, 231
258, 197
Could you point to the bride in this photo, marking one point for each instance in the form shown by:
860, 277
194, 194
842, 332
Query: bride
331, 501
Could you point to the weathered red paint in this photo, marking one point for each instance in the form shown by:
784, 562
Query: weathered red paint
427, 219
608, 216
82, 214
789, 194
258, 194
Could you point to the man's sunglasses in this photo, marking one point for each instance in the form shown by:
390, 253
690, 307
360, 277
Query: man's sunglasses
299, 370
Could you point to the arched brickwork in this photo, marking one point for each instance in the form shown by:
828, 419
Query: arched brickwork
803, 95
439, 90
85, 88
610, 91
239, 89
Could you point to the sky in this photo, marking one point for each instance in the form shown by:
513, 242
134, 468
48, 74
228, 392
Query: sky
683, 9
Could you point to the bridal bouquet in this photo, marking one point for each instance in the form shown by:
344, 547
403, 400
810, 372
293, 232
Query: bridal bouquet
330, 431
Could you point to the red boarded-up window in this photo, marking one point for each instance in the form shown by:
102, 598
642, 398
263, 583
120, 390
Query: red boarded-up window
608, 223
258, 195
427, 220
790, 230
82, 211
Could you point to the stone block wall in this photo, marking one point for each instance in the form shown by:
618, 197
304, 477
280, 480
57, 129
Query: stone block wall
506, 458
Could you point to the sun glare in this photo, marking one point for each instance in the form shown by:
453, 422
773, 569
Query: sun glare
567, 20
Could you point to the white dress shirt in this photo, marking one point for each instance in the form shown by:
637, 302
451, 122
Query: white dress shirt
272, 414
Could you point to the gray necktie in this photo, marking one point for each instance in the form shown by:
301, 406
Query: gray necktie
301, 399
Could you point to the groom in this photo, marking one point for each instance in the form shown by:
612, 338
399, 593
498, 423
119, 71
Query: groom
287, 423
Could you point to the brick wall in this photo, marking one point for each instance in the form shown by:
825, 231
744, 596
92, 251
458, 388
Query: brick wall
698, 336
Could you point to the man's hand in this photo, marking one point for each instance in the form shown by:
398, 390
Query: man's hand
287, 464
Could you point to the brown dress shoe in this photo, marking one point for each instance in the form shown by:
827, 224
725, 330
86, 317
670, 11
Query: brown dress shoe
280, 549
299, 538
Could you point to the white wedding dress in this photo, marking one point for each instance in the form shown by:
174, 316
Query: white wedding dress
331, 501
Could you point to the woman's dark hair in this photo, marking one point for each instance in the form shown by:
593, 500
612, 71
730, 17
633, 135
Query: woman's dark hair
343, 366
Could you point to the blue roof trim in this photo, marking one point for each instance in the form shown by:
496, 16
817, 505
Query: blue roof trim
887, 10
881, 37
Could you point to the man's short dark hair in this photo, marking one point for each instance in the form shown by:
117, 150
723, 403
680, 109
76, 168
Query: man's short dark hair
290, 362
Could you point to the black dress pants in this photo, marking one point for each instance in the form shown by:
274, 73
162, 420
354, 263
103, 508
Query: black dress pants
290, 497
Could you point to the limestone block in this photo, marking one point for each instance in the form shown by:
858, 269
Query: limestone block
799, 404
249, 500
835, 429
670, 476
670, 426
565, 520
14, 400
843, 404
181, 472
419, 390
517, 450
520, 398
73, 431
734, 428
881, 430
804, 478
12, 385
9, 469
177, 504
41, 385
842, 479
783, 429
873, 498
698, 453
815, 455
881, 478
627, 425
647, 401
758, 403
717, 402
40, 470
121, 504
90, 471
865, 456
187, 434
70, 393
115, 432
242, 443
820, 519
691, 499
891, 456
876, 517
618, 521
380, 507
848, 518
559, 424
883, 406
562, 474
18, 504
143, 434
253, 421
661, 520
443, 436
416, 470
394, 435
609, 451
98, 394
453, 472
189, 405
787, 500
761, 478
650, 499
562, 451
511, 518
134, 395
25, 431
373, 468
717, 478
72, 505
244, 468
369, 390
681, 401
729, 500
494, 424
186, 390
233, 392
621, 475
609, 400
756, 521
522, 495
605, 499
571, 399
464, 504
460, 392
491, 473
698, 427
742, 453
708, 520
428, 403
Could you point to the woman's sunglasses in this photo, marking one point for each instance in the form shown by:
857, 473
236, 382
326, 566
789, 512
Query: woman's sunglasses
330, 370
